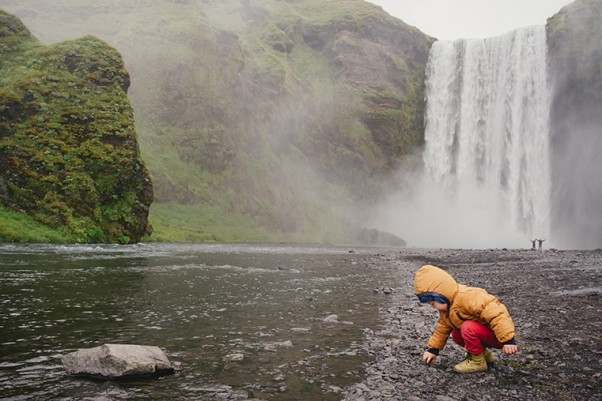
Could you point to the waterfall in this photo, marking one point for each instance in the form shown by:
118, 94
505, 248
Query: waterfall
486, 153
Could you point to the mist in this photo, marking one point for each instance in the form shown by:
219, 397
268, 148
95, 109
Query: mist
289, 124
276, 111
485, 178
431, 216
576, 126
563, 202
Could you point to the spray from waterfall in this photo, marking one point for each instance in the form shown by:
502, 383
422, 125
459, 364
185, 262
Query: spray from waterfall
486, 178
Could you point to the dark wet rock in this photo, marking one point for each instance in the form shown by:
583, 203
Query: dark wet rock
118, 361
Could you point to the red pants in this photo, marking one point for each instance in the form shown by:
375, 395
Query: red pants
474, 336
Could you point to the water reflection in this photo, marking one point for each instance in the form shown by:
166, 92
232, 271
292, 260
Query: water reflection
247, 316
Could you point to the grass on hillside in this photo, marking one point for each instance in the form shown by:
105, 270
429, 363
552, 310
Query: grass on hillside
200, 223
171, 223
19, 227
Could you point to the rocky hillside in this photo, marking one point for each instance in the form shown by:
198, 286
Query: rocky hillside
292, 114
69, 156
575, 54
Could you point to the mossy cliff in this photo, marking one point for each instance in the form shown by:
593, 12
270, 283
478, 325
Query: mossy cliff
69, 156
575, 61
289, 116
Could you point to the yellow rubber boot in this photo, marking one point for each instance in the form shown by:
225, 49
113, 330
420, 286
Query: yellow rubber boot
489, 357
472, 364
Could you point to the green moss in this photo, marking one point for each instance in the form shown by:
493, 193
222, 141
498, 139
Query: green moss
70, 149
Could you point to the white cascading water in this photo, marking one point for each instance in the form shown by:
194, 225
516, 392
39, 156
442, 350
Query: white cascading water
486, 155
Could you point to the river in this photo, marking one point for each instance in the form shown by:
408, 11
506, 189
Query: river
200, 304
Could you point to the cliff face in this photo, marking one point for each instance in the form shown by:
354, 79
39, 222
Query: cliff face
575, 59
68, 150
295, 113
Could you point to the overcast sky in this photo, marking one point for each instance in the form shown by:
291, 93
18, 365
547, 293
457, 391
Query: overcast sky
455, 19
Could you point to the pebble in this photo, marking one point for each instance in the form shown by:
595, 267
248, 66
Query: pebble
234, 358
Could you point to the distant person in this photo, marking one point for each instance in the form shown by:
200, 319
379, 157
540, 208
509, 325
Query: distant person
533, 241
540, 241
475, 319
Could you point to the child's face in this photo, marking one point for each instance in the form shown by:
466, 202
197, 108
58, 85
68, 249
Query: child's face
439, 306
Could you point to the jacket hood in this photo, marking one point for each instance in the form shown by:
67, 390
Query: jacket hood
433, 279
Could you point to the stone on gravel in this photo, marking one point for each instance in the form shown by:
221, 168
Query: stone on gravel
234, 357
118, 360
331, 319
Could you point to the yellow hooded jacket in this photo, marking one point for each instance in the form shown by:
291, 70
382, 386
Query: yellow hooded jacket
465, 303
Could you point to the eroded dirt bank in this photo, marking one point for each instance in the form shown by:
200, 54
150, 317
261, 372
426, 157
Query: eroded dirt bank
554, 299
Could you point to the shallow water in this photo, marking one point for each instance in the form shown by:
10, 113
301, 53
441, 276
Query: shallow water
199, 303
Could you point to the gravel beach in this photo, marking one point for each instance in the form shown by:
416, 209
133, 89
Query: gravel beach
554, 299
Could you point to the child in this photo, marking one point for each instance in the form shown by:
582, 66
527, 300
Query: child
475, 319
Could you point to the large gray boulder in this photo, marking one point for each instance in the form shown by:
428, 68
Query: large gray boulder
118, 360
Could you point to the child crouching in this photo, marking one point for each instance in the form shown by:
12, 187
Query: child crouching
475, 319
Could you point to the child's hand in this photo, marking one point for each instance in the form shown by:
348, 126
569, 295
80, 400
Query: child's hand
427, 357
509, 349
